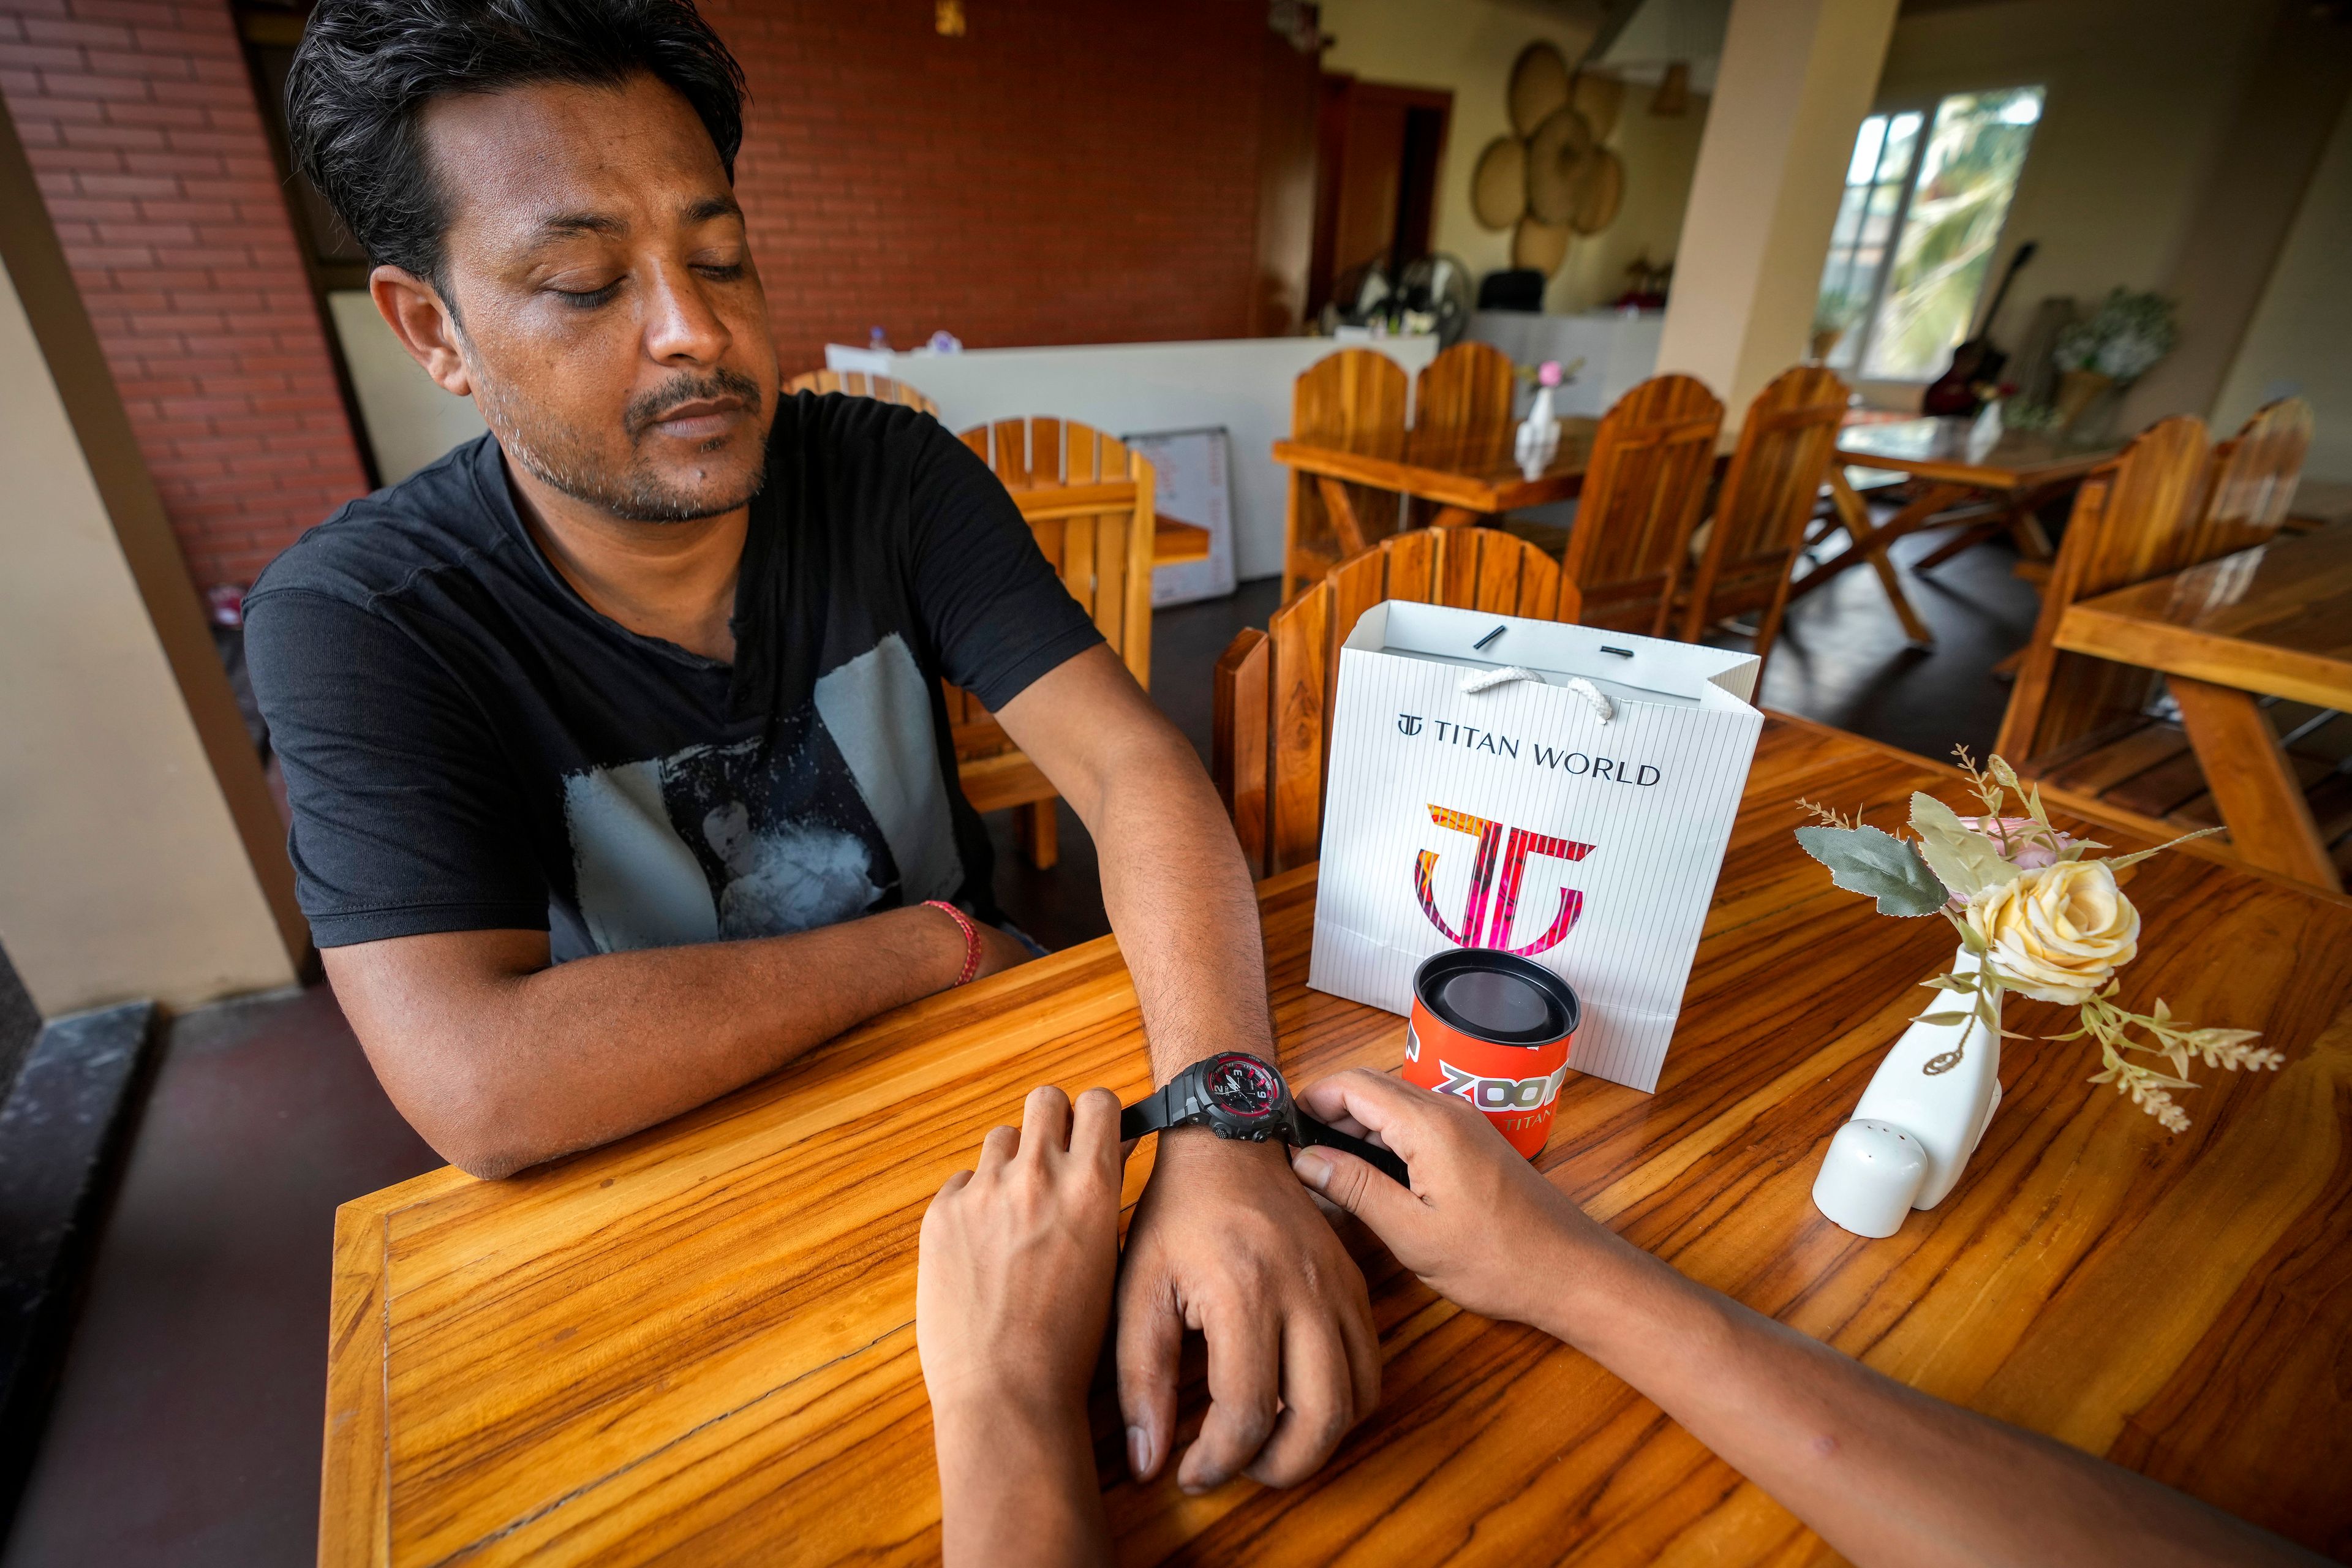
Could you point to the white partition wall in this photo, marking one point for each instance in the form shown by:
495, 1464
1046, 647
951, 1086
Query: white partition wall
1619, 351
1242, 383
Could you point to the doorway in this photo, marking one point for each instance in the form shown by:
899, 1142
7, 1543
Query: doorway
1379, 147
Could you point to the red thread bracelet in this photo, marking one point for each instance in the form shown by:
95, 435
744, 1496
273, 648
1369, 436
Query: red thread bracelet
972, 948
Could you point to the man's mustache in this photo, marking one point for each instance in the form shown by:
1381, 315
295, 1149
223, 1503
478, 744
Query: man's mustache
648, 409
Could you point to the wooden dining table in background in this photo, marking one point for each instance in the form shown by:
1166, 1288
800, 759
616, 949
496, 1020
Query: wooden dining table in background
2010, 476
1470, 476
697, 1345
2272, 621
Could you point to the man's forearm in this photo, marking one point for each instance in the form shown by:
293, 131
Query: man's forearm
1179, 894
505, 1064
1884, 1473
1173, 880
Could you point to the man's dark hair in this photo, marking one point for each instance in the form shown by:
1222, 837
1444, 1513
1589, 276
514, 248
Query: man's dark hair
366, 69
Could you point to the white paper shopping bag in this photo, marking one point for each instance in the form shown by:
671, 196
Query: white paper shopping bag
1580, 826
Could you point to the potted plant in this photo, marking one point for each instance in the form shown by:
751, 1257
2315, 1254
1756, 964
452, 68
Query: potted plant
2122, 340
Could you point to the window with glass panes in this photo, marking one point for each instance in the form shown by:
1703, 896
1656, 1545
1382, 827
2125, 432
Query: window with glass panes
1926, 196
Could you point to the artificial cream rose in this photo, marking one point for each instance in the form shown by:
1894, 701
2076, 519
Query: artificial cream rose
2057, 932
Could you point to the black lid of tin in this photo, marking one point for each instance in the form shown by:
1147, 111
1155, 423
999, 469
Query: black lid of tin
1497, 997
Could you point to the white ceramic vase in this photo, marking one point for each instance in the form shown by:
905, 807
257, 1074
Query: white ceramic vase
1538, 437
1920, 1120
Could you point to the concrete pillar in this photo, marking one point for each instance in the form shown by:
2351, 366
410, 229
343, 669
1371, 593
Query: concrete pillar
140, 855
1796, 79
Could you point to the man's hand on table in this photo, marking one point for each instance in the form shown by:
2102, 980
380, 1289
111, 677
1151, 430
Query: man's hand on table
1225, 1242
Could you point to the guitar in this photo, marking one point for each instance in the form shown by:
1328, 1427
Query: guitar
1977, 360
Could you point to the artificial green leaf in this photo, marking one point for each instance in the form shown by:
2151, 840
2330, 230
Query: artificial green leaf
1943, 1018
1866, 860
1965, 862
2120, 861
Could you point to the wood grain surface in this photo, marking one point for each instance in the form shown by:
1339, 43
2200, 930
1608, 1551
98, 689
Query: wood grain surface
1769, 493
1947, 449
2275, 619
696, 1346
1273, 690
1644, 482
1475, 471
1352, 401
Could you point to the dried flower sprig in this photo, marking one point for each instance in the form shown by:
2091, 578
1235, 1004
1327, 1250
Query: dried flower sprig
2043, 916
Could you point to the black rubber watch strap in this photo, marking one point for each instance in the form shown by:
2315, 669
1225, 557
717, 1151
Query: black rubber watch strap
1149, 1115
1313, 1131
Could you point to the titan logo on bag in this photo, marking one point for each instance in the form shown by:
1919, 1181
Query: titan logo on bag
1494, 903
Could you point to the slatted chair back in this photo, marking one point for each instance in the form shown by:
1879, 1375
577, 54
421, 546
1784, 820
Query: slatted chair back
1768, 495
2254, 476
1274, 689
858, 383
1468, 388
1353, 400
2136, 516
1089, 502
1652, 460
1461, 414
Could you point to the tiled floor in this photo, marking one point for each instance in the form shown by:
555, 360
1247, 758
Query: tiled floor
186, 1430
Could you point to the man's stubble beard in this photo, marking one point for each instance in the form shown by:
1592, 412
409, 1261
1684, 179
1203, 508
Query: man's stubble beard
554, 453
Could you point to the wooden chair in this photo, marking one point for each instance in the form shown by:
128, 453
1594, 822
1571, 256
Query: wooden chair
1088, 499
858, 383
1470, 386
1462, 404
2134, 517
1275, 687
1769, 498
1353, 400
2255, 475
2086, 728
1647, 477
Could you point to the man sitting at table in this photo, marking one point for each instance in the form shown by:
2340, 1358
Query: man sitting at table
619, 767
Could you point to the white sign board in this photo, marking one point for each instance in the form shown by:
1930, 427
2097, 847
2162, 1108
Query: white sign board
1192, 482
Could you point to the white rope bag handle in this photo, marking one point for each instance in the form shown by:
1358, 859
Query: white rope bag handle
1477, 680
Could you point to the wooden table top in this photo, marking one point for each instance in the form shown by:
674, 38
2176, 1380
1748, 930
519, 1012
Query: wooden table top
1475, 471
697, 1345
1947, 449
2275, 619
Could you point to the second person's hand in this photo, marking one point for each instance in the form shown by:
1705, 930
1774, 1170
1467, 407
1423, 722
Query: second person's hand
1479, 1225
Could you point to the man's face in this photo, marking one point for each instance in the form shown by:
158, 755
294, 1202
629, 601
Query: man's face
610, 324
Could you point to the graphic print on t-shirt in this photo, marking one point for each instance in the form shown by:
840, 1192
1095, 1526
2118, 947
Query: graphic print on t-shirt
843, 808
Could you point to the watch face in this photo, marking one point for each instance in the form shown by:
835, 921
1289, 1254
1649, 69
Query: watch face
1242, 1085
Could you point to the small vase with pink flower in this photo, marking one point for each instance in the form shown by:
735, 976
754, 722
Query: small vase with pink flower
2037, 914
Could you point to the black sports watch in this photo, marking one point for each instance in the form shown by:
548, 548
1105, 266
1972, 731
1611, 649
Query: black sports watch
1236, 1095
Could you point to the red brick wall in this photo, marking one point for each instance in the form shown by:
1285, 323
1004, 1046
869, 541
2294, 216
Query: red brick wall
1068, 171
139, 119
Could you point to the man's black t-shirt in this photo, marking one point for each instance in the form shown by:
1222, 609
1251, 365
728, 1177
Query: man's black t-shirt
468, 746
